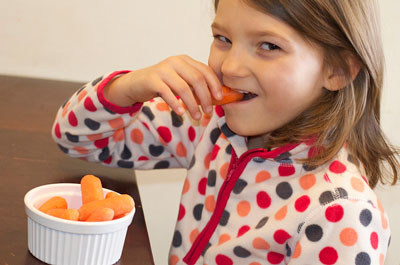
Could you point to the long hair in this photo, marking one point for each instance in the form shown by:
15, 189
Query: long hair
350, 116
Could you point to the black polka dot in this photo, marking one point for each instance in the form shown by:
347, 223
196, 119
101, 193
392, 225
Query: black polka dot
91, 124
341, 193
365, 217
177, 120
125, 164
307, 167
241, 252
390, 240
314, 232
224, 218
239, 186
72, 138
197, 211
65, 150
299, 227
206, 248
283, 158
353, 160
192, 162
147, 111
177, 239
80, 90
228, 149
226, 131
105, 154
288, 250
212, 178
156, 150
65, 103
126, 153
284, 190
97, 80
214, 135
259, 160
326, 197
109, 111
161, 164
363, 258
262, 222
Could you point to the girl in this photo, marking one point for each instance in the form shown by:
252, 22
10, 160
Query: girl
284, 176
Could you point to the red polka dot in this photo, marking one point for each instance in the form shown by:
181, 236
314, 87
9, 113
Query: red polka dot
191, 133
223, 260
101, 143
263, 200
244, 229
328, 256
146, 125
281, 236
108, 160
274, 258
88, 104
182, 212
57, 131
286, 170
72, 119
165, 133
302, 203
220, 111
315, 151
337, 167
143, 158
334, 213
215, 151
374, 240
202, 186
326, 178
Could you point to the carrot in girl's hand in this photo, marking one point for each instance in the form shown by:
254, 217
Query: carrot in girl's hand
228, 96
55, 202
111, 194
91, 188
68, 214
120, 204
101, 214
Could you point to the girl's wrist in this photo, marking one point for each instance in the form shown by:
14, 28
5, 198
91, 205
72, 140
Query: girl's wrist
116, 92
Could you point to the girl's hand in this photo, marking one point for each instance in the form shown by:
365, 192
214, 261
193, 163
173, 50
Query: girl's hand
175, 76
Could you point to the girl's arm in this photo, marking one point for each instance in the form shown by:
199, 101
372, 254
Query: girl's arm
344, 232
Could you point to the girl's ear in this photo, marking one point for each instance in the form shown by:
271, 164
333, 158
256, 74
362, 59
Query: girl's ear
337, 78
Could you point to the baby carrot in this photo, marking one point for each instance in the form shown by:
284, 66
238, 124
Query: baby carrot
120, 204
68, 214
101, 214
111, 194
228, 96
55, 202
91, 188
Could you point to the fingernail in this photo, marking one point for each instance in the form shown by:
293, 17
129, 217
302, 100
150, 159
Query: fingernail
181, 110
209, 109
219, 95
197, 115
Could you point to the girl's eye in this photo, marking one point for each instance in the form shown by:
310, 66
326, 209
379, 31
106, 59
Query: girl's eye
222, 38
269, 46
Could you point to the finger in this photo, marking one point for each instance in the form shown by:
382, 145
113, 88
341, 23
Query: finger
166, 94
211, 78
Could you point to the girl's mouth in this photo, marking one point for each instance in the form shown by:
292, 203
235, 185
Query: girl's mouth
248, 96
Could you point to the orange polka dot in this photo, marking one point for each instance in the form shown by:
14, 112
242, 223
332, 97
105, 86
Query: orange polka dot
81, 150
206, 119
173, 260
207, 160
380, 206
307, 181
243, 208
223, 171
223, 238
384, 222
297, 251
181, 150
255, 263
162, 106
259, 243
348, 236
119, 135
95, 137
116, 123
281, 213
137, 136
193, 235
209, 204
186, 186
381, 259
81, 95
357, 184
65, 109
262, 176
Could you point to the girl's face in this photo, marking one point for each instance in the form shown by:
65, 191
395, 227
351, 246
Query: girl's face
257, 53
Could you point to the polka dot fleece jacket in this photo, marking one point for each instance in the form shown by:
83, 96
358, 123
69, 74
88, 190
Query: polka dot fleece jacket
238, 206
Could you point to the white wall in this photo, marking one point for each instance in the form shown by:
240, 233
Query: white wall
80, 40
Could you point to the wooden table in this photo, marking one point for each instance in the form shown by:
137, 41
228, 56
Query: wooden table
29, 158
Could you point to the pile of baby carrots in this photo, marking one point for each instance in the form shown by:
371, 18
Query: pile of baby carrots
95, 206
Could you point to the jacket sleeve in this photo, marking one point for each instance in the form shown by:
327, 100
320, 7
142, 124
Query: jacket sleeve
143, 136
345, 232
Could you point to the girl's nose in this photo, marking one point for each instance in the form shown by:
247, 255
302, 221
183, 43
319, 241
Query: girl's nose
234, 64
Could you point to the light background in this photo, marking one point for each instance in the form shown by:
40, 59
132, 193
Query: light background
81, 40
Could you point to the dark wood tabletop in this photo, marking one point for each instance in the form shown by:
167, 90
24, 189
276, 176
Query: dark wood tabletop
29, 158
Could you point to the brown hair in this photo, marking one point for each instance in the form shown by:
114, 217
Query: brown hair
349, 116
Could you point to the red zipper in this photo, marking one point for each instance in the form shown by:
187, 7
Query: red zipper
236, 167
